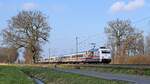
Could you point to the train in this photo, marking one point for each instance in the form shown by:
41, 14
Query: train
94, 55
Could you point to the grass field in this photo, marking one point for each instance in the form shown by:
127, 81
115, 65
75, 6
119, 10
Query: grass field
50, 76
12, 75
22, 74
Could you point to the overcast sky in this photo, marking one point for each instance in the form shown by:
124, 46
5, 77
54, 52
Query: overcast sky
83, 18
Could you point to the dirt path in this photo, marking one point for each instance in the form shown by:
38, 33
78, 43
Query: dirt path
131, 78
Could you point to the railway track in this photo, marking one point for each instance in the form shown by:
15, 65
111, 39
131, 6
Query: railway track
141, 66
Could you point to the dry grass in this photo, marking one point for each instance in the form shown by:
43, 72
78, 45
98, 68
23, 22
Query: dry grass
139, 60
132, 60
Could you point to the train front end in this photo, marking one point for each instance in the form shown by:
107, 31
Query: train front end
105, 55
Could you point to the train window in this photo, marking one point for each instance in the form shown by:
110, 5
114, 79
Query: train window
80, 55
105, 51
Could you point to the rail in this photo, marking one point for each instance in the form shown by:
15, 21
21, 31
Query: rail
143, 66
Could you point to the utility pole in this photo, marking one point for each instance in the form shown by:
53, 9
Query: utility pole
94, 45
49, 49
76, 45
49, 54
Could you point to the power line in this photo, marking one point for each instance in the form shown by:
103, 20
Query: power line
137, 21
140, 20
89, 37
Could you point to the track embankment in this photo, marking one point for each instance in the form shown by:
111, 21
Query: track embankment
133, 79
144, 66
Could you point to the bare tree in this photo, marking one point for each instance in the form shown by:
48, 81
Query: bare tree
133, 45
29, 29
124, 39
117, 31
147, 45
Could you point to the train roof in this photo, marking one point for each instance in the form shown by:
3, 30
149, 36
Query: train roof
75, 53
94, 49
